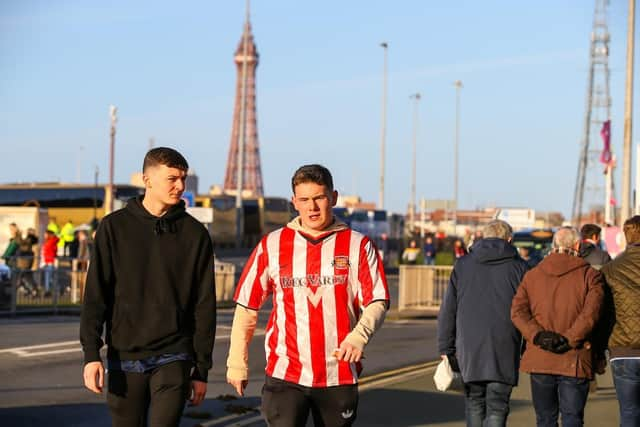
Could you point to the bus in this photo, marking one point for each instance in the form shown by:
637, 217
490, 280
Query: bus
78, 203
261, 216
537, 240
276, 212
373, 223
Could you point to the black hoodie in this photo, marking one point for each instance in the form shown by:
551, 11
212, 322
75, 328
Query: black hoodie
151, 280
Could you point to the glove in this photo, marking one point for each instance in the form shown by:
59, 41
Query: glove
544, 340
552, 341
560, 345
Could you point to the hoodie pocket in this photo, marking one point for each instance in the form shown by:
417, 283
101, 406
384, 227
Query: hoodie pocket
144, 327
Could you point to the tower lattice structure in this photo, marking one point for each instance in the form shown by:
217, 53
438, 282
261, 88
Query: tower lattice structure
593, 187
252, 171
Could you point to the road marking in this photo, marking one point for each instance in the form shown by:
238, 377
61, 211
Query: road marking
249, 421
395, 375
46, 353
34, 347
231, 417
54, 347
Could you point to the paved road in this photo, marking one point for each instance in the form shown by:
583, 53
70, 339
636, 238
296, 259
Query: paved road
40, 367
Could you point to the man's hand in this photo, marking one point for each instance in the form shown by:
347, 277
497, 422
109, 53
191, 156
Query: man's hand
93, 375
348, 353
239, 385
198, 391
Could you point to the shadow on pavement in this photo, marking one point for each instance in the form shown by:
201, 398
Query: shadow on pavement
78, 415
403, 408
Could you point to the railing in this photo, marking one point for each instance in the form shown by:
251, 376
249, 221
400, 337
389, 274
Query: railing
61, 286
422, 287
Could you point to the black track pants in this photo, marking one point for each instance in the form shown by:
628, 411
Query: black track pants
156, 397
286, 404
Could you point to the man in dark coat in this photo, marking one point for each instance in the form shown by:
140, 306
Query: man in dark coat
474, 324
590, 249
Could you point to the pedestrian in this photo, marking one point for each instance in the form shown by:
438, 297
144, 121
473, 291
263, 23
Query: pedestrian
556, 308
11, 251
410, 253
25, 257
329, 295
151, 282
623, 279
474, 328
429, 250
590, 249
49, 253
67, 236
458, 249
525, 254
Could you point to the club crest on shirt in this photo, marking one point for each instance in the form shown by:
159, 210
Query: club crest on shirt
341, 262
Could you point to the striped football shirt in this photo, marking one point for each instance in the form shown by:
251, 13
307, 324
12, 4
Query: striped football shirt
318, 287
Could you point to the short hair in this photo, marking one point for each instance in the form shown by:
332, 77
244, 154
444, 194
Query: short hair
631, 230
566, 237
164, 156
317, 174
589, 230
497, 229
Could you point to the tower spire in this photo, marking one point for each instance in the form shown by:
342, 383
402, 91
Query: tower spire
245, 119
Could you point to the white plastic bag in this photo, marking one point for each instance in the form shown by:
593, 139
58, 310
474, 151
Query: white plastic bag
445, 378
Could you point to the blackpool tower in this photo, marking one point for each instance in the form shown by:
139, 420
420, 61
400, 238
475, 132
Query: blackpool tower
252, 172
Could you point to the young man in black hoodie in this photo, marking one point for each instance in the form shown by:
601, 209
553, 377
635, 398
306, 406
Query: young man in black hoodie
151, 281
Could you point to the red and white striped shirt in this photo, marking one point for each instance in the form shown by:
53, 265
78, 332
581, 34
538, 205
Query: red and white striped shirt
318, 287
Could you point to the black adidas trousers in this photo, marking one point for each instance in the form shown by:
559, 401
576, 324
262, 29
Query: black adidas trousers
286, 404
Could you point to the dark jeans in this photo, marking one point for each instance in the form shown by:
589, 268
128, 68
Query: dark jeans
487, 403
156, 397
556, 392
626, 377
286, 404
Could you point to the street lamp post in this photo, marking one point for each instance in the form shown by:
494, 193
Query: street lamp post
628, 119
458, 85
383, 130
412, 203
113, 113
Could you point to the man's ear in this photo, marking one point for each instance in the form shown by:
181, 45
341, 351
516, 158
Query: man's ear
335, 198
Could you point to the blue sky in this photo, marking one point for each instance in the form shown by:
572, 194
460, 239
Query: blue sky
168, 66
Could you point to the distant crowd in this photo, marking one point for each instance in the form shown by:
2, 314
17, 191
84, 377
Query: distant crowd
27, 254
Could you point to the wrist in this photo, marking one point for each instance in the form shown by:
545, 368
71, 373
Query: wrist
237, 373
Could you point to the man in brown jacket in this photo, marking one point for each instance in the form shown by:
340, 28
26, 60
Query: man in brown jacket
623, 278
556, 307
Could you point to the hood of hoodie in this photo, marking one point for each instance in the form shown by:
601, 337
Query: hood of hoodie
493, 251
160, 224
336, 225
586, 248
559, 264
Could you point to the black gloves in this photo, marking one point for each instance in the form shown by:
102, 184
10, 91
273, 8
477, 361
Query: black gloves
552, 341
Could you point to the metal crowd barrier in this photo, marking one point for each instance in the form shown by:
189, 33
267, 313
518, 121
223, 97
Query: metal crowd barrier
422, 287
225, 281
61, 286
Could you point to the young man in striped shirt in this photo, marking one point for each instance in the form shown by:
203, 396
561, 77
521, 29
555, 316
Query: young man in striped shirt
329, 295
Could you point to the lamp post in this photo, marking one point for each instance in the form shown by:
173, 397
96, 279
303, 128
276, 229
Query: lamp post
412, 204
383, 130
113, 113
458, 85
625, 207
